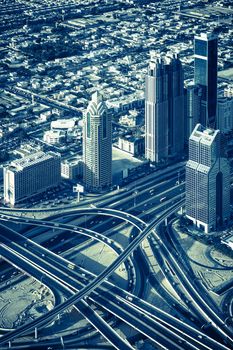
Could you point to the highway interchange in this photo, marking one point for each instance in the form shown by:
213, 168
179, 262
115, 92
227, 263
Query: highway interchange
196, 321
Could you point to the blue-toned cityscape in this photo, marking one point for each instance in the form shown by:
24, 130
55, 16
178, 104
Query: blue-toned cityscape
116, 174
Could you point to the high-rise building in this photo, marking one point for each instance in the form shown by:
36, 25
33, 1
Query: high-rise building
207, 180
30, 175
205, 75
97, 145
156, 111
225, 114
175, 106
193, 95
164, 108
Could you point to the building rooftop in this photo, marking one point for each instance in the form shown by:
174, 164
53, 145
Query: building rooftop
228, 240
63, 124
206, 36
203, 135
31, 160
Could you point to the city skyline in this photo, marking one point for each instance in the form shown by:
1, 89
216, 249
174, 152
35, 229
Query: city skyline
116, 221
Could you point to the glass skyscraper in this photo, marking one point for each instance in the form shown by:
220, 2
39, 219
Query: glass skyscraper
207, 180
193, 95
176, 106
205, 75
164, 108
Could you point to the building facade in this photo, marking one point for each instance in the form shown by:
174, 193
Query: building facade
55, 137
131, 144
131, 119
205, 75
193, 95
228, 91
72, 168
156, 111
164, 109
225, 114
207, 180
33, 174
97, 145
175, 106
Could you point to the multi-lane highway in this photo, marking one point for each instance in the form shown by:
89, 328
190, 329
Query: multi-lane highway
138, 240
142, 328
193, 295
123, 298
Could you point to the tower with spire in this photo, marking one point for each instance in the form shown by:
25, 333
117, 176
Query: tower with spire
97, 145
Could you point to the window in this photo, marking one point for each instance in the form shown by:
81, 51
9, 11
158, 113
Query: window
104, 125
200, 47
88, 125
200, 71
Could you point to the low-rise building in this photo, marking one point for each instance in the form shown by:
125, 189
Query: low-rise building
72, 168
131, 119
62, 131
54, 137
228, 240
131, 144
228, 91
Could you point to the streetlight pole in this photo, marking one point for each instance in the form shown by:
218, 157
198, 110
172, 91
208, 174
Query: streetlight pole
134, 198
178, 177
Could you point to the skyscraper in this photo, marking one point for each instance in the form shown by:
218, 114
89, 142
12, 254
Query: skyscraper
175, 106
164, 108
225, 114
207, 180
97, 145
156, 111
193, 95
205, 75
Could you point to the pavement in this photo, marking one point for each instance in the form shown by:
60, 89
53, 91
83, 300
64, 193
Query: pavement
23, 301
206, 262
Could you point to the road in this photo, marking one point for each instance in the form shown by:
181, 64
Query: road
210, 315
145, 326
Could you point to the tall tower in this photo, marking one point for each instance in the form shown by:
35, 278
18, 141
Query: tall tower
156, 111
97, 145
176, 105
205, 75
164, 108
193, 95
207, 180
